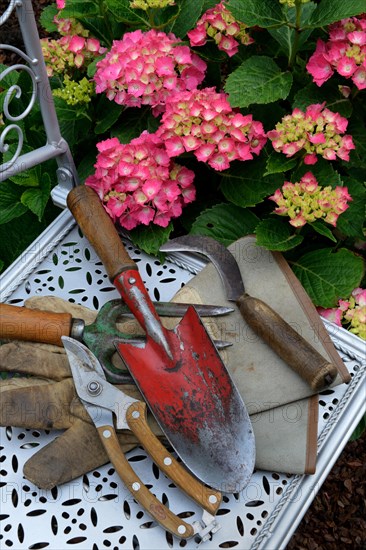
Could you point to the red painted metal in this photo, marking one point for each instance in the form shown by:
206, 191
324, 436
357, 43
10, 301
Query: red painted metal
189, 391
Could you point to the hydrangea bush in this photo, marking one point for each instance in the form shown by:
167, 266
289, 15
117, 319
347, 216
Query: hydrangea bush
221, 118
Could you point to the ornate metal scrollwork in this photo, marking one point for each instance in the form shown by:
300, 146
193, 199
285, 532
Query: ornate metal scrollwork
16, 91
55, 146
9, 10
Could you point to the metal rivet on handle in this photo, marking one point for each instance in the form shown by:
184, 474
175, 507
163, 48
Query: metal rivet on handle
135, 486
132, 280
181, 529
135, 414
167, 461
94, 388
212, 499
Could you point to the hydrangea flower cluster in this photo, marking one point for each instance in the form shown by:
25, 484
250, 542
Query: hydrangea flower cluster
150, 4
344, 53
139, 184
69, 25
144, 69
351, 313
203, 121
69, 52
306, 201
219, 24
317, 131
75, 93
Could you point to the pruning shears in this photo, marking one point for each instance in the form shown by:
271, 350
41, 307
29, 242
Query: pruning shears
104, 401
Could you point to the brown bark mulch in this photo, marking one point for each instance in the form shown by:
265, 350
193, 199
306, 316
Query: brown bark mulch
336, 520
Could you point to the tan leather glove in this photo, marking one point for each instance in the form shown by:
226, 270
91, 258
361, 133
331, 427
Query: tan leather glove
43, 397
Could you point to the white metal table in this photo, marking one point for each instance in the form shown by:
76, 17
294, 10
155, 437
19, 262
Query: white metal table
96, 511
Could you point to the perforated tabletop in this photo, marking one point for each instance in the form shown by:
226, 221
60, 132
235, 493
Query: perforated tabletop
96, 511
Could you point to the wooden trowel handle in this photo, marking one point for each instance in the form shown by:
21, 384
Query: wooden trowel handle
33, 325
99, 229
287, 343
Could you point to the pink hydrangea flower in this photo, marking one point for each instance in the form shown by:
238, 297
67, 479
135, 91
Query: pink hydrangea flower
138, 183
350, 313
144, 67
344, 53
333, 315
202, 121
69, 52
317, 131
219, 24
306, 201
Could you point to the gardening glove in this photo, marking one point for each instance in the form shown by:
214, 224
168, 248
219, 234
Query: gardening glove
45, 398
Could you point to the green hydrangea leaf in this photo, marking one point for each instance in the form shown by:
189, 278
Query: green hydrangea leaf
285, 35
132, 123
245, 185
36, 199
313, 94
74, 122
79, 9
257, 12
328, 276
189, 12
356, 128
86, 166
108, 112
225, 222
10, 79
351, 222
257, 80
323, 229
329, 11
277, 164
10, 205
275, 234
47, 18
323, 171
149, 238
28, 178
15, 237
122, 11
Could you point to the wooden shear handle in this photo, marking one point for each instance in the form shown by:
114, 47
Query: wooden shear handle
206, 497
140, 492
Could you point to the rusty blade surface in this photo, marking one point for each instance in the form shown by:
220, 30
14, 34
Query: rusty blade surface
222, 259
196, 403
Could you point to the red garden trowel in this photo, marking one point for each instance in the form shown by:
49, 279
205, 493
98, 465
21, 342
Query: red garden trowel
179, 372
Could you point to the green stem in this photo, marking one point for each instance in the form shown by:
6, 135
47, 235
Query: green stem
295, 45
